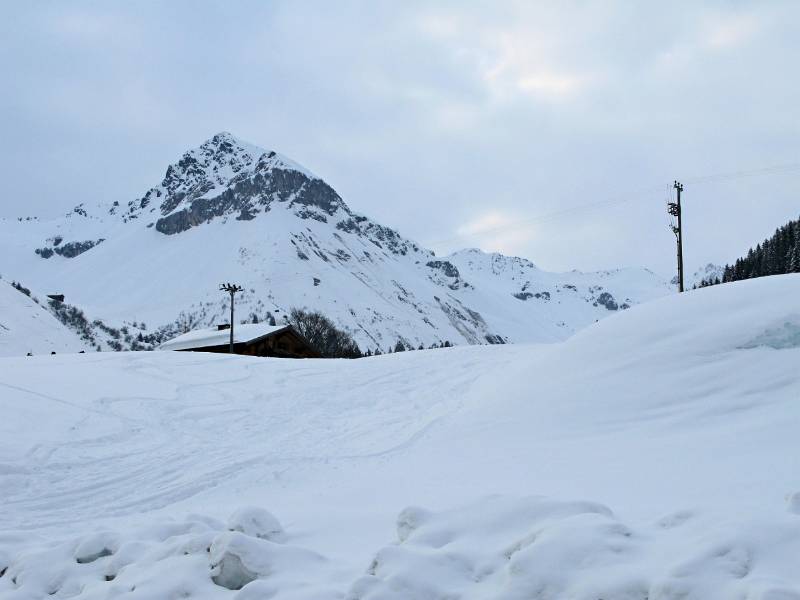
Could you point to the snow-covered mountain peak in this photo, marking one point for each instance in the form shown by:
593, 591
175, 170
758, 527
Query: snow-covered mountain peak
227, 176
226, 149
492, 262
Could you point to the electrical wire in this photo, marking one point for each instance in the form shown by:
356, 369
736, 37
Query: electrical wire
773, 170
620, 199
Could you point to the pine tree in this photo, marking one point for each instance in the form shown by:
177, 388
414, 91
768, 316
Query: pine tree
776, 255
794, 259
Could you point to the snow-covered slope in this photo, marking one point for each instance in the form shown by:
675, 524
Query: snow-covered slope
26, 326
229, 211
653, 455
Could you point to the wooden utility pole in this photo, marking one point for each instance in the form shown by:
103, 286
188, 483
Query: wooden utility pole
231, 288
674, 209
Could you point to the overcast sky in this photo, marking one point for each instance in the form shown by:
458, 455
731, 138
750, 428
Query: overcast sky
458, 123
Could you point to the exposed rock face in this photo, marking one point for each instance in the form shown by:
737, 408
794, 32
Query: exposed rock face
252, 195
607, 300
446, 273
382, 237
228, 177
445, 267
68, 250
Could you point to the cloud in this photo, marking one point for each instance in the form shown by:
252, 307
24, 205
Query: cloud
494, 231
550, 84
84, 26
731, 31
511, 57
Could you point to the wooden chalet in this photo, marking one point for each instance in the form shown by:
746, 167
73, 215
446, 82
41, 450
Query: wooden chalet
256, 339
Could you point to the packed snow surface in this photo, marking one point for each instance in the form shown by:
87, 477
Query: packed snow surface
652, 456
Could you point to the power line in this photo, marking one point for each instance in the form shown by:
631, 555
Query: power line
733, 175
550, 216
619, 199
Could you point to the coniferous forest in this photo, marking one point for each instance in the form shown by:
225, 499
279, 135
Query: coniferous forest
776, 255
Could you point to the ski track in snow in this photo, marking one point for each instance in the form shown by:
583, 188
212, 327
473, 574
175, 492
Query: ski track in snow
156, 439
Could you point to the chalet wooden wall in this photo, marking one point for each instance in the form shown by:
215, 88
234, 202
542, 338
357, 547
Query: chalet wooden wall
283, 344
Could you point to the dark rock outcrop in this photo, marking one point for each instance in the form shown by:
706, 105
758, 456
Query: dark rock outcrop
446, 267
68, 250
607, 300
251, 195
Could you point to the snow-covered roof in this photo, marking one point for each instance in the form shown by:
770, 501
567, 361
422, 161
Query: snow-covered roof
203, 338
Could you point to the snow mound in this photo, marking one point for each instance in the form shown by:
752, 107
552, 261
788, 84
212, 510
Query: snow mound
526, 548
237, 560
257, 522
193, 558
96, 546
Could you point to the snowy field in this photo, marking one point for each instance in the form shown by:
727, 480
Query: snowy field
653, 456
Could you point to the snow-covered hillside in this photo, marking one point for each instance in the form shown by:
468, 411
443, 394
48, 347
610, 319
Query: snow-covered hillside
229, 211
651, 456
27, 326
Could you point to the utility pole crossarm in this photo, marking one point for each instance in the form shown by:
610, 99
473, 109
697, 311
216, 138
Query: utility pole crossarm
231, 288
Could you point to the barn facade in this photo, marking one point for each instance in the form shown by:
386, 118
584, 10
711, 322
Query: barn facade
257, 339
